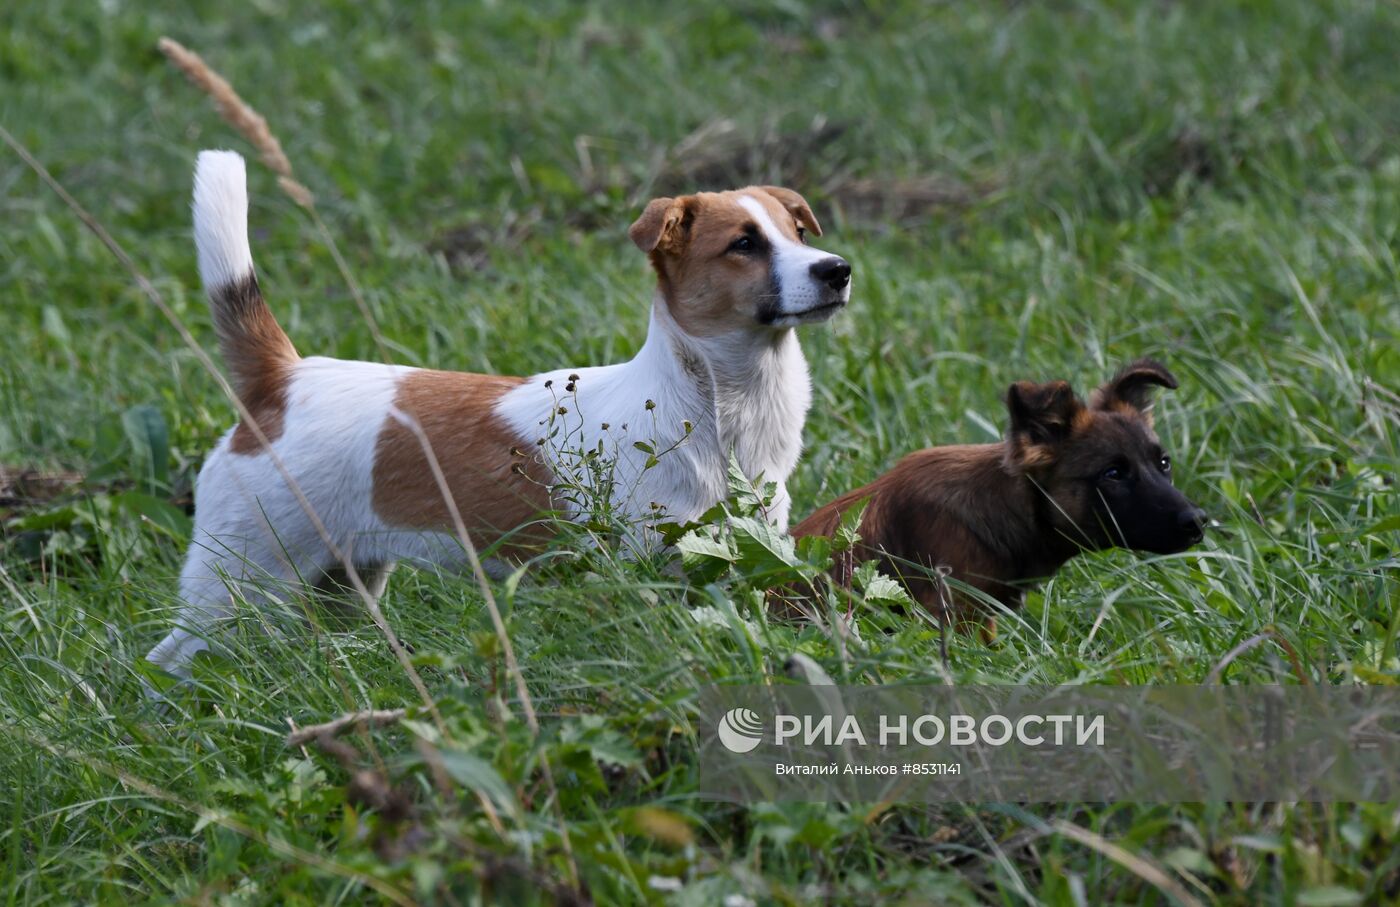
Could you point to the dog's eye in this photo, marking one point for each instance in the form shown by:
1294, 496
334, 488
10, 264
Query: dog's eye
1165, 463
742, 244
1112, 474
802, 235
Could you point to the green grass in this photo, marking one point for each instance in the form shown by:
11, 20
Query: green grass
1217, 185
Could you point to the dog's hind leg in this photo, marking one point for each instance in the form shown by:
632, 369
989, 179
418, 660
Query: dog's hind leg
375, 577
211, 579
336, 594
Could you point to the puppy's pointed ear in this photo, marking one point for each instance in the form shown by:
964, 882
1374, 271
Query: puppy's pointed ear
797, 206
1132, 387
1042, 415
658, 223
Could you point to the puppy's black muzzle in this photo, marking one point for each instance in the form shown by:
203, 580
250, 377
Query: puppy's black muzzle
835, 272
1192, 525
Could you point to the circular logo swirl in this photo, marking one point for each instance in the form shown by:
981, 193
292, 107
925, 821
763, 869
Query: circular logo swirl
740, 730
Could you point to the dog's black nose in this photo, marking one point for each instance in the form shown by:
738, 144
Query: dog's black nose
834, 272
1192, 522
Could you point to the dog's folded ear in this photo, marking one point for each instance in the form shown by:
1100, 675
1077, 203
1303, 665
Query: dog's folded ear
659, 224
1132, 387
1042, 415
797, 206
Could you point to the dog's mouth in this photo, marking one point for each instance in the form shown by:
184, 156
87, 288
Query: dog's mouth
1176, 544
814, 314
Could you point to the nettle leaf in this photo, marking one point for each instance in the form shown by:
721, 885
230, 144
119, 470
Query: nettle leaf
705, 555
208, 817
847, 533
302, 777
604, 743
815, 550
876, 587
749, 496
576, 771
671, 533
764, 548
614, 749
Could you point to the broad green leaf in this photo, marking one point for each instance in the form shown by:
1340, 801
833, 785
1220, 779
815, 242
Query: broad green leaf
1328, 896
847, 532
877, 587
475, 773
704, 557
156, 512
763, 548
149, 438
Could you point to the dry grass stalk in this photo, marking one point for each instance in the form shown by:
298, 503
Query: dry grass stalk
253, 127
1145, 869
365, 718
236, 112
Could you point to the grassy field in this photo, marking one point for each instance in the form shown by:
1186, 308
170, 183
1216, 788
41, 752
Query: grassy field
1026, 191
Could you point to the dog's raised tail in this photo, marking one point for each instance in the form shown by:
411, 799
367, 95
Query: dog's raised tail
255, 348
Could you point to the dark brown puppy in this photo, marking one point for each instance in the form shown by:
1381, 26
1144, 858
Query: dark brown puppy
1069, 477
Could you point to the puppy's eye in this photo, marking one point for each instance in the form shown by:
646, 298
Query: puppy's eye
1165, 463
802, 235
1112, 474
742, 244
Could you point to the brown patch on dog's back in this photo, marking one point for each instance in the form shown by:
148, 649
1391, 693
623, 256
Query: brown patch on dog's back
495, 476
259, 357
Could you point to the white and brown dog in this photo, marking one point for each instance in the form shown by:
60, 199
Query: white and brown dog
720, 372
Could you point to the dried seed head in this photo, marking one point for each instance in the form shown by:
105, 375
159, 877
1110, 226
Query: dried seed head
651, 404
563, 410
549, 383
605, 426
236, 112
573, 377
569, 387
